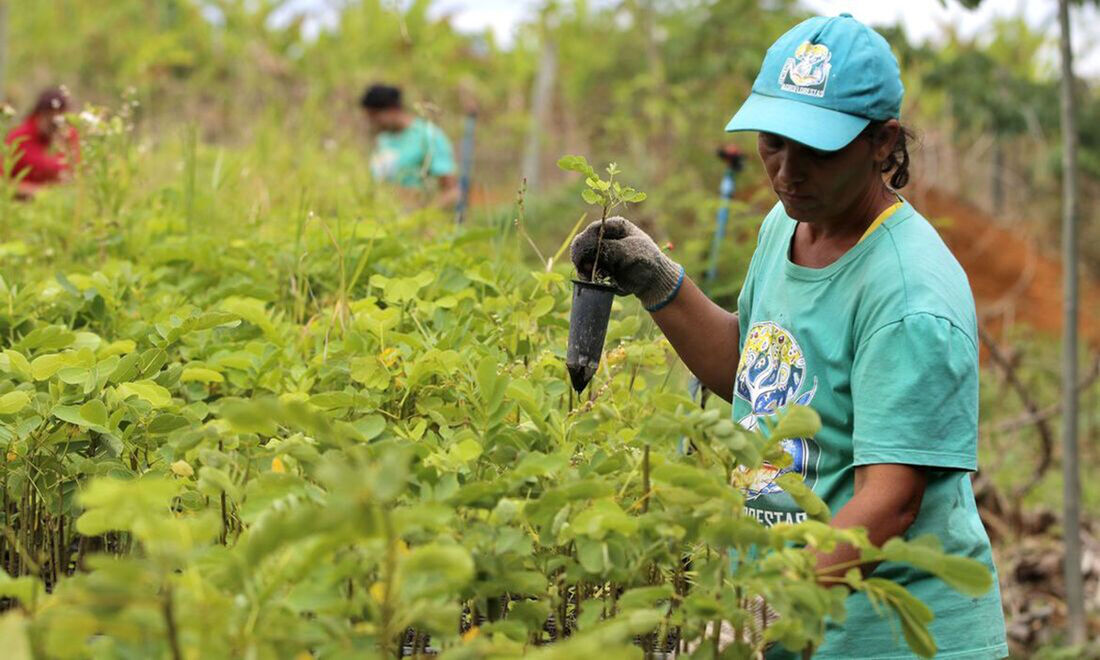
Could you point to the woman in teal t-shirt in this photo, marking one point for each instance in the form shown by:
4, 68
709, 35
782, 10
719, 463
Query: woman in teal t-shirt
854, 306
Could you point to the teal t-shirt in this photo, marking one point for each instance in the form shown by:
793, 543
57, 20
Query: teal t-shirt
882, 343
409, 157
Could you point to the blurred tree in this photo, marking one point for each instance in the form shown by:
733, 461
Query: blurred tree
655, 83
1075, 599
995, 88
3, 44
1071, 471
541, 97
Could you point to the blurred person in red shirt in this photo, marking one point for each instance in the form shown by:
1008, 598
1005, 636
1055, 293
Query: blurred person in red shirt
37, 162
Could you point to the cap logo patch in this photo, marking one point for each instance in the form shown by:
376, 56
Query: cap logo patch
808, 71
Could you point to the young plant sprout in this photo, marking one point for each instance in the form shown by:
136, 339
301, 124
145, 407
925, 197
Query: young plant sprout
592, 299
607, 194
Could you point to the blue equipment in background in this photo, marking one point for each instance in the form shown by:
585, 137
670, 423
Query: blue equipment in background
467, 167
734, 162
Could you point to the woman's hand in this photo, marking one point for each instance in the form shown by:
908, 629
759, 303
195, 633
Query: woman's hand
705, 336
629, 257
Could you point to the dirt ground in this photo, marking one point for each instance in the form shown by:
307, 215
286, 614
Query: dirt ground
1013, 278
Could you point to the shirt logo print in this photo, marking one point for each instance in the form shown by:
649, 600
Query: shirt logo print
772, 369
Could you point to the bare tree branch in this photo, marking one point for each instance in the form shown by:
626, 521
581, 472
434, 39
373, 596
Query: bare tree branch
1046, 436
1023, 421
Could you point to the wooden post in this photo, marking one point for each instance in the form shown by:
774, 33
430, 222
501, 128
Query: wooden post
541, 97
1075, 596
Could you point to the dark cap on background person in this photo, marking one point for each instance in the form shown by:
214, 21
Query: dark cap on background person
381, 97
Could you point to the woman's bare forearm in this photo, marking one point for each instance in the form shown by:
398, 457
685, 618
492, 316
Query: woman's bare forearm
886, 503
706, 337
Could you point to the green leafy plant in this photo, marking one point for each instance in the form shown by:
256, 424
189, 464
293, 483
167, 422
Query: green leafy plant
219, 442
608, 194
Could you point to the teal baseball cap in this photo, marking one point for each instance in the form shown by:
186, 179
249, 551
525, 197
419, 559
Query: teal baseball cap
822, 83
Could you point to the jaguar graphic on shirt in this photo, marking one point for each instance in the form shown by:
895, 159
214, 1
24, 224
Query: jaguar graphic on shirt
771, 375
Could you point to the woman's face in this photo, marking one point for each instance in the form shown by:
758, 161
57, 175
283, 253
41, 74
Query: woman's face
818, 186
49, 123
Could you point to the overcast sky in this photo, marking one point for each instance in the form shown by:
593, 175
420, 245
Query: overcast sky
922, 18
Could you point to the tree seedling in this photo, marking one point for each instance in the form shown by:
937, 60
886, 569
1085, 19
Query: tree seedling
592, 299
607, 194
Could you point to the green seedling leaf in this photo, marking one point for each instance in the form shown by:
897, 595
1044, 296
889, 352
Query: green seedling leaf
796, 422
88, 340
26, 589
467, 450
332, 400
576, 164
513, 630
913, 614
14, 628
252, 310
120, 347
19, 364
532, 614
491, 384
13, 402
608, 639
73, 415
370, 426
803, 496
45, 366
434, 571
249, 417
168, 422
537, 464
218, 481
46, 338
967, 576
200, 375
117, 504
593, 555
603, 518
737, 533
212, 319
73, 375
156, 395
94, 412
126, 369
645, 597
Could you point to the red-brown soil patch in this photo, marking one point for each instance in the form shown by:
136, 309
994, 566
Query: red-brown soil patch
1014, 279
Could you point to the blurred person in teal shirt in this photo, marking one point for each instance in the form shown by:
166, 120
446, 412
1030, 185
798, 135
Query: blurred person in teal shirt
410, 152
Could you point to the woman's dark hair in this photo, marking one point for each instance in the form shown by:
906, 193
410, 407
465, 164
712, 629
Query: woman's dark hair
898, 160
381, 97
51, 99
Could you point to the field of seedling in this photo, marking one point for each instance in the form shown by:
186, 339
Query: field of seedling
256, 404
352, 434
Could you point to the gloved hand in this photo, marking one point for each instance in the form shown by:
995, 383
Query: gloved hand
629, 257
